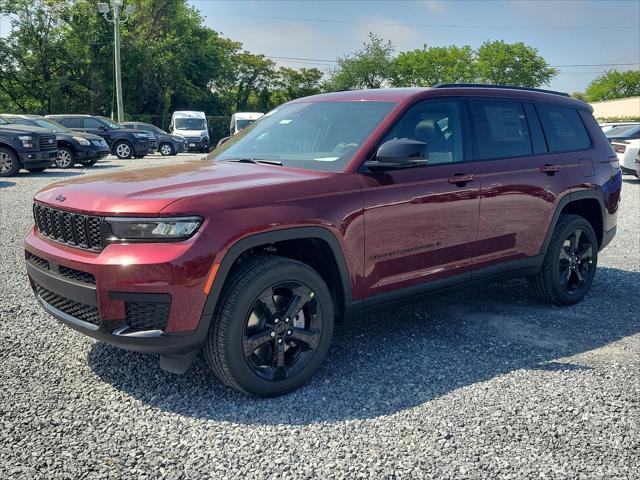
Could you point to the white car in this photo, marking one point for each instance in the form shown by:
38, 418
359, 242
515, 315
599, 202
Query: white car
627, 151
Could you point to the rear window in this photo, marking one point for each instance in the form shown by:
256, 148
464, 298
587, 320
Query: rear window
501, 129
563, 128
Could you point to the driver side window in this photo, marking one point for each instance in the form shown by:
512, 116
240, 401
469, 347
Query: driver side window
436, 123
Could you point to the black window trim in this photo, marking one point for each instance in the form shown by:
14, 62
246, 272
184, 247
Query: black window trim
465, 121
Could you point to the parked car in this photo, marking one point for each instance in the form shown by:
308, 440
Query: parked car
193, 127
624, 132
31, 148
329, 206
626, 150
167, 144
123, 142
241, 120
611, 125
638, 165
73, 147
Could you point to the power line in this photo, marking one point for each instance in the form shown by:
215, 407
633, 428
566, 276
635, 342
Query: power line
434, 25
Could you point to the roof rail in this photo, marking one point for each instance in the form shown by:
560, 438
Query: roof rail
488, 85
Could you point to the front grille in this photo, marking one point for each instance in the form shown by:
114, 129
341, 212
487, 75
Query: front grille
48, 142
83, 231
78, 310
193, 139
76, 275
147, 315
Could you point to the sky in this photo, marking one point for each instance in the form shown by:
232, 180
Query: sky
597, 34
569, 32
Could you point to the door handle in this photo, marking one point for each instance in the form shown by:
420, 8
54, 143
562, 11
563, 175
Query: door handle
460, 179
549, 169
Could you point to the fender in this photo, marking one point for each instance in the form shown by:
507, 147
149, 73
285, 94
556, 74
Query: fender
564, 201
246, 243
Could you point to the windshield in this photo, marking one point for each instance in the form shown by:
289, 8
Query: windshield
49, 125
190, 124
624, 131
3, 121
240, 124
110, 123
316, 135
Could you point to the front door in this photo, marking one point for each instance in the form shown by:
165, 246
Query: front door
421, 223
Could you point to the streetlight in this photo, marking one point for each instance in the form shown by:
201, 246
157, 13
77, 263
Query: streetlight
104, 9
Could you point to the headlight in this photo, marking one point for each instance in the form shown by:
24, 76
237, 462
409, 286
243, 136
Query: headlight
27, 141
82, 141
151, 229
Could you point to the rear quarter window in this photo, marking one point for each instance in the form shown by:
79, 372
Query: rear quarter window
563, 128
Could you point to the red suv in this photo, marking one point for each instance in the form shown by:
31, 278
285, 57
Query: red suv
326, 206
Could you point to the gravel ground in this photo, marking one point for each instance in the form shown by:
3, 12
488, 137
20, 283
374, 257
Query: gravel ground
482, 384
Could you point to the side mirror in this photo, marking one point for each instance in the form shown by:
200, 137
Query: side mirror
400, 153
102, 128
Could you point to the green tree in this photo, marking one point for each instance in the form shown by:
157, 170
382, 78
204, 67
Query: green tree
430, 65
512, 64
369, 67
614, 84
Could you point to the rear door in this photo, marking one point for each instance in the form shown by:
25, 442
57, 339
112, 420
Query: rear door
521, 181
421, 223
96, 127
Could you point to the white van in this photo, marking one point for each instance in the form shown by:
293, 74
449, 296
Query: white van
240, 120
192, 126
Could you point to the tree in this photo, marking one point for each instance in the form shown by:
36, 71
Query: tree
293, 83
614, 84
512, 64
428, 66
369, 67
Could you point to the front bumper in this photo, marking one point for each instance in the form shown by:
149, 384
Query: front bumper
180, 147
198, 144
85, 153
141, 297
141, 147
35, 159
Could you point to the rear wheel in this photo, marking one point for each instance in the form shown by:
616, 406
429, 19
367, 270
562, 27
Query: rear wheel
166, 149
272, 329
570, 263
123, 149
9, 163
65, 158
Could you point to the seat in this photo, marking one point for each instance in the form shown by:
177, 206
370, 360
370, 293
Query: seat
429, 132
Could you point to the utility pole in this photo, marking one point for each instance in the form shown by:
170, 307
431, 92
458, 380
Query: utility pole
116, 19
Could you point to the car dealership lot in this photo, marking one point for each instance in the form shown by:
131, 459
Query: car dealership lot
482, 383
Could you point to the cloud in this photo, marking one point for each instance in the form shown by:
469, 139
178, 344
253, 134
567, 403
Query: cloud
434, 6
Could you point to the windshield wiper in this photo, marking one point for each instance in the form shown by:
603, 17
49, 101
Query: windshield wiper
254, 160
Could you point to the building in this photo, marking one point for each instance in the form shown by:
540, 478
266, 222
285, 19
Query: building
619, 108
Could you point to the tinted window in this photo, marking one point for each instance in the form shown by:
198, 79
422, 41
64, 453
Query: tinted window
22, 121
501, 130
624, 132
3, 122
438, 125
69, 122
563, 128
92, 123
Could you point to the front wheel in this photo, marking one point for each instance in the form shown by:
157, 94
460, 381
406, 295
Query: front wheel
123, 150
272, 329
9, 163
166, 149
570, 263
65, 158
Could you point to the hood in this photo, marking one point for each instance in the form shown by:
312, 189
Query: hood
190, 133
68, 135
24, 129
147, 191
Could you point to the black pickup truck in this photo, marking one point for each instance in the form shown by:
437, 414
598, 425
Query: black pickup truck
31, 148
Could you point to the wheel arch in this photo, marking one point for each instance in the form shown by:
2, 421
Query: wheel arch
587, 204
13, 150
286, 241
67, 144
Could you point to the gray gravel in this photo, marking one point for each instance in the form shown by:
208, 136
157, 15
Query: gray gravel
480, 384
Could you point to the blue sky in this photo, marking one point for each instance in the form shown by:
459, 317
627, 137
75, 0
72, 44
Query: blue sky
573, 32
569, 32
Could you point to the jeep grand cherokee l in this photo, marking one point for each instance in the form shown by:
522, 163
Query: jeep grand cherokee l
123, 142
329, 205
73, 147
31, 148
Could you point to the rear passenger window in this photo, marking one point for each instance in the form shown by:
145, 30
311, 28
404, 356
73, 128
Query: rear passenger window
92, 123
68, 122
501, 130
563, 128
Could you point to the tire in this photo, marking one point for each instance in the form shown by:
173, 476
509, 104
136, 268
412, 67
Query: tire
570, 263
123, 149
253, 306
166, 149
9, 163
65, 159
36, 170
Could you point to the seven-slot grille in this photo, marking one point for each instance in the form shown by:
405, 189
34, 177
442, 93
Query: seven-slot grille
48, 142
83, 231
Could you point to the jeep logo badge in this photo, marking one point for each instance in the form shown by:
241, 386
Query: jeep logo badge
61, 198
